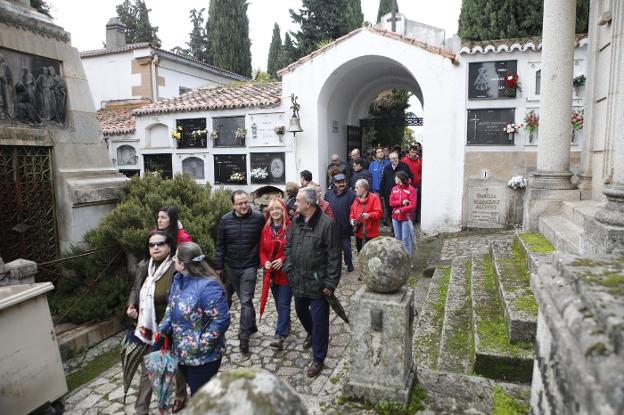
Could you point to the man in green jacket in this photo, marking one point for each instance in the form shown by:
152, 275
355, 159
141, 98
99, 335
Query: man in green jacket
312, 265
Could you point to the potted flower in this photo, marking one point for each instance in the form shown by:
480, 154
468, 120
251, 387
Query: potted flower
511, 129
517, 183
512, 83
577, 122
259, 174
214, 134
280, 130
177, 133
531, 123
237, 177
240, 133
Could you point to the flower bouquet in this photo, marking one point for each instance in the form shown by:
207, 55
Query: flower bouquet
512, 83
280, 130
240, 133
517, 183
237, 177
177, 133
198, 133
214, 134
576, 122
512, 128
259, 174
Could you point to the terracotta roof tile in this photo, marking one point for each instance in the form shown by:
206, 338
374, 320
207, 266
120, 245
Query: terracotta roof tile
116, 120
237, 95
509, 45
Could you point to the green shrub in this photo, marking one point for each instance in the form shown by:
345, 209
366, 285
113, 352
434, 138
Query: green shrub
125, 230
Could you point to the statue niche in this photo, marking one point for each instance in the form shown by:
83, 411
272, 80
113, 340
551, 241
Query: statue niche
32, 90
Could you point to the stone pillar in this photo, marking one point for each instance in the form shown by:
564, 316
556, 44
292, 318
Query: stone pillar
553, 150
381, 367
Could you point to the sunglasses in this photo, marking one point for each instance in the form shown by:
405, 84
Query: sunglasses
155, 244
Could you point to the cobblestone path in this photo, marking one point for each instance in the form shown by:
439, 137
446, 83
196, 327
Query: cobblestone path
104, 395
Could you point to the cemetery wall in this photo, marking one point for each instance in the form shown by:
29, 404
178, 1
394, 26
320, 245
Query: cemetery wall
110, 77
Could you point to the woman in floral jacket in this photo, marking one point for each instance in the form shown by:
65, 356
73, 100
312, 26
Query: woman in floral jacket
197, 316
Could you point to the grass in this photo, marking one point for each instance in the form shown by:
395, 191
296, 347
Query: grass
415, 403
517, 269
536, 242
93, 369
505, 404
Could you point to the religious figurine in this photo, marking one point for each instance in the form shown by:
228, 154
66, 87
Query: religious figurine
25, 109
7, 103
295, 106
481, 82
44, 95
59, 93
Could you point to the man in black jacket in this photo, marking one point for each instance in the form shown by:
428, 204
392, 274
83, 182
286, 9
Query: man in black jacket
340, 200
312, 266
360, 172
387, 181
238, 239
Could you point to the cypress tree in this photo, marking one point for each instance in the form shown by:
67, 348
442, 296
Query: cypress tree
500, 19
319, 21
228, 36
355, 17
138, 27
198, 41
275, 59
289, 51
384, 8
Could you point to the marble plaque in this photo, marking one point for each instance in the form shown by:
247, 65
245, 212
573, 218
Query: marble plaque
263, 129
486, 126
486, 204
273, 164
486, 80
230, 168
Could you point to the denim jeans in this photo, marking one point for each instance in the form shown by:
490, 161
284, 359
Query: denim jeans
314, 316
243, 282
402, 233
282, 295
198, 376
346, 251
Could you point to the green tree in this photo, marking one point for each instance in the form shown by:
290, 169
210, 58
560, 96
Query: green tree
384, 8
500, 19
289, 51
355, 17
138, 27
275, 59
228, 37
390, 104
41, 6
319, 20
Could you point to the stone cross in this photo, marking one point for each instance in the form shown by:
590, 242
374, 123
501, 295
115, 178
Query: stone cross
475, 120
393, 19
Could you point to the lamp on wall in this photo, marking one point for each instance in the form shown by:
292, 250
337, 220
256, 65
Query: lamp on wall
294, 125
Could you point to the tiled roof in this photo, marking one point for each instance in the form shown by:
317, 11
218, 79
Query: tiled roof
116, 120
509, 45
237, 95
374, 29
134, 46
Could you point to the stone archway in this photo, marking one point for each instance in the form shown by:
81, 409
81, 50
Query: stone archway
336, 84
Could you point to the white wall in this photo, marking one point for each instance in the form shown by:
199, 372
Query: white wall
110, 77
177, 74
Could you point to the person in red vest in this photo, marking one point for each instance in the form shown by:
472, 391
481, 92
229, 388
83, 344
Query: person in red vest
272, 243
366, 212
413, 160
167, 221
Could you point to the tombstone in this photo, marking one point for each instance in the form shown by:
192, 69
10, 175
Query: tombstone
381, 367
487, 203
246, 391
48, 128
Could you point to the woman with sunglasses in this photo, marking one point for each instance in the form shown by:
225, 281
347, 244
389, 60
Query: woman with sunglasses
197, 317
147, 305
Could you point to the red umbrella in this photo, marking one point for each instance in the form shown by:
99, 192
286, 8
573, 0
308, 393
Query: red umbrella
266, 282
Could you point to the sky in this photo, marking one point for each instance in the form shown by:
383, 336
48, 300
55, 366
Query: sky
86, 21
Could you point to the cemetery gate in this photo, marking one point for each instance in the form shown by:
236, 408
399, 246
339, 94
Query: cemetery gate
28, 211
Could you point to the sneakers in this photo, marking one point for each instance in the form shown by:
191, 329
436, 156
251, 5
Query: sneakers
307, 343
277, 343
315, 369
244, 345
350, 268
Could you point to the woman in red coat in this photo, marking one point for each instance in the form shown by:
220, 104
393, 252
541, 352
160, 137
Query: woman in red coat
167, 221
272, 243
366, 212
403, 203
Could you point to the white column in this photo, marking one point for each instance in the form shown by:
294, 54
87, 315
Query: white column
558, 42
613, 213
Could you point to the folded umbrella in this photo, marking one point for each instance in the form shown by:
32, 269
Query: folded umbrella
335, 304
161, 367
132, 351
266, 282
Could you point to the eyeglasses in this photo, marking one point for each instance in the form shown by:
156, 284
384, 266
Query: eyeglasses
155, 244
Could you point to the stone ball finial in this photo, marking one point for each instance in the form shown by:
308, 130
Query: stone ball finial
246, 391
384, 264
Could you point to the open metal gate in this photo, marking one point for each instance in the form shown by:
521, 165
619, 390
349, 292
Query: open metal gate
28, 226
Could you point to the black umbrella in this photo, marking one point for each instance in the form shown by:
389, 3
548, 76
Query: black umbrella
335, 303
132, 351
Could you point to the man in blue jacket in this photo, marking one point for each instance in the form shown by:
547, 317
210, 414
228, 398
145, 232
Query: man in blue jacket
376, 168
238, 239
340, 200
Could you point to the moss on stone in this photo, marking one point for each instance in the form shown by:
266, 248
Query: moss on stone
241, 373
93, 369
536, 242
586, 262
598, 349
505, 404
523, 296
526, 303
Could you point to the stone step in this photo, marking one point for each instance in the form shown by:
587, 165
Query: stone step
495, 356
537, 249
430, 320
561, 232
456, 343
514, 291
576, 211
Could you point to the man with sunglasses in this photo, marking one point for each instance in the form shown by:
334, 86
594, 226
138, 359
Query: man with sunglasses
238, 238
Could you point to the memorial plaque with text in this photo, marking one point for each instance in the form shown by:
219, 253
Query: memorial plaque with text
230, 168
486, 205
485, 126
486, 80
263, 129
273, 164
193, 131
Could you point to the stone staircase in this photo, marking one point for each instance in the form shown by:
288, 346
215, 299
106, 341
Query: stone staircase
564, 230
479, 316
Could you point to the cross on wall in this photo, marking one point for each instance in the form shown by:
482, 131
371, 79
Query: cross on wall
393, 19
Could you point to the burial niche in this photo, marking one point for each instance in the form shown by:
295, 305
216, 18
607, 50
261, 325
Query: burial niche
126, 155
194, 167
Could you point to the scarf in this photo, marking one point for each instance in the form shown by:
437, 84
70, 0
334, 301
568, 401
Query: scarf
146, 324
